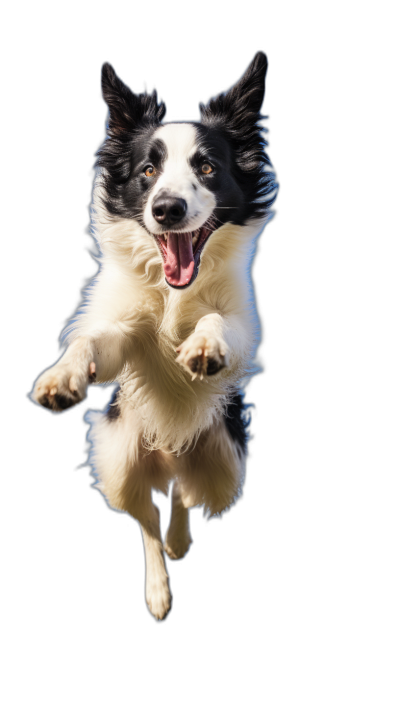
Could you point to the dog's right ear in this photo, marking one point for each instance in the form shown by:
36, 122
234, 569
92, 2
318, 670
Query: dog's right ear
128, 111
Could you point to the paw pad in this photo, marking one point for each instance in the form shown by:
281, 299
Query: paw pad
202, 355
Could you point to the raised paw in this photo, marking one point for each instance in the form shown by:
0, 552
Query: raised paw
60, 388
202, 354
176, 546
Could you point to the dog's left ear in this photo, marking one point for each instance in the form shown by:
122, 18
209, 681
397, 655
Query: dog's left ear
242, 103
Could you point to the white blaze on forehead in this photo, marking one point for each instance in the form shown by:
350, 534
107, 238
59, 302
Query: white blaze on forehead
178, 178
180, 140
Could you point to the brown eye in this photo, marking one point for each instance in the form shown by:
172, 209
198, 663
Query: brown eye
206, 168
150, 171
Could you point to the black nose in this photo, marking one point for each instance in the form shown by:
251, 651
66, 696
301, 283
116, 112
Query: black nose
168, 210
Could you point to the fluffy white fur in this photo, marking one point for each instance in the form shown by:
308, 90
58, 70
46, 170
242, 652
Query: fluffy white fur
170, 424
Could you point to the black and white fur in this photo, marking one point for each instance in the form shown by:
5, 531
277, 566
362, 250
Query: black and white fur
170, 315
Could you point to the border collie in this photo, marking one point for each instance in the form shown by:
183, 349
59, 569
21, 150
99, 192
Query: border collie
170, 315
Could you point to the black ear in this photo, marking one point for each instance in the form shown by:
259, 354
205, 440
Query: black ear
128, 111
242, 103
236, 115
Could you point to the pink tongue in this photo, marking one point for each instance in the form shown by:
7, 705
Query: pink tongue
179, 263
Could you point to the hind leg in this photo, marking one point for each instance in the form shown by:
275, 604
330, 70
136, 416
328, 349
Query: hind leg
212, 473
178, 540
158, 594
126, 474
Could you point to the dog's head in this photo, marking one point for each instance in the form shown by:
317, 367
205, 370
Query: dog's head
182, 181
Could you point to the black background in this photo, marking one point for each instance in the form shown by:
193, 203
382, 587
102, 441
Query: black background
251, 571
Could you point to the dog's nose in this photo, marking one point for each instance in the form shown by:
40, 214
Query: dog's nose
169, 209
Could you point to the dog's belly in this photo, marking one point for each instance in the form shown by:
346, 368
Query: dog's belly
173, 409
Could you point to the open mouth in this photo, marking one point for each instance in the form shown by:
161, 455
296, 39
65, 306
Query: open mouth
181, 255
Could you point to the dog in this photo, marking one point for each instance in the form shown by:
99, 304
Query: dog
170, 315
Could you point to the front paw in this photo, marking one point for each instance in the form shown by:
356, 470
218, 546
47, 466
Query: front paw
203, 354
60, 388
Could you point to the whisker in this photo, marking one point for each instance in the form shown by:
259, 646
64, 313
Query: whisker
212, 222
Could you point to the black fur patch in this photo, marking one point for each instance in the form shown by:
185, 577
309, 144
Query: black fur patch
114, 410
236, 115
128, 146
237, 422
